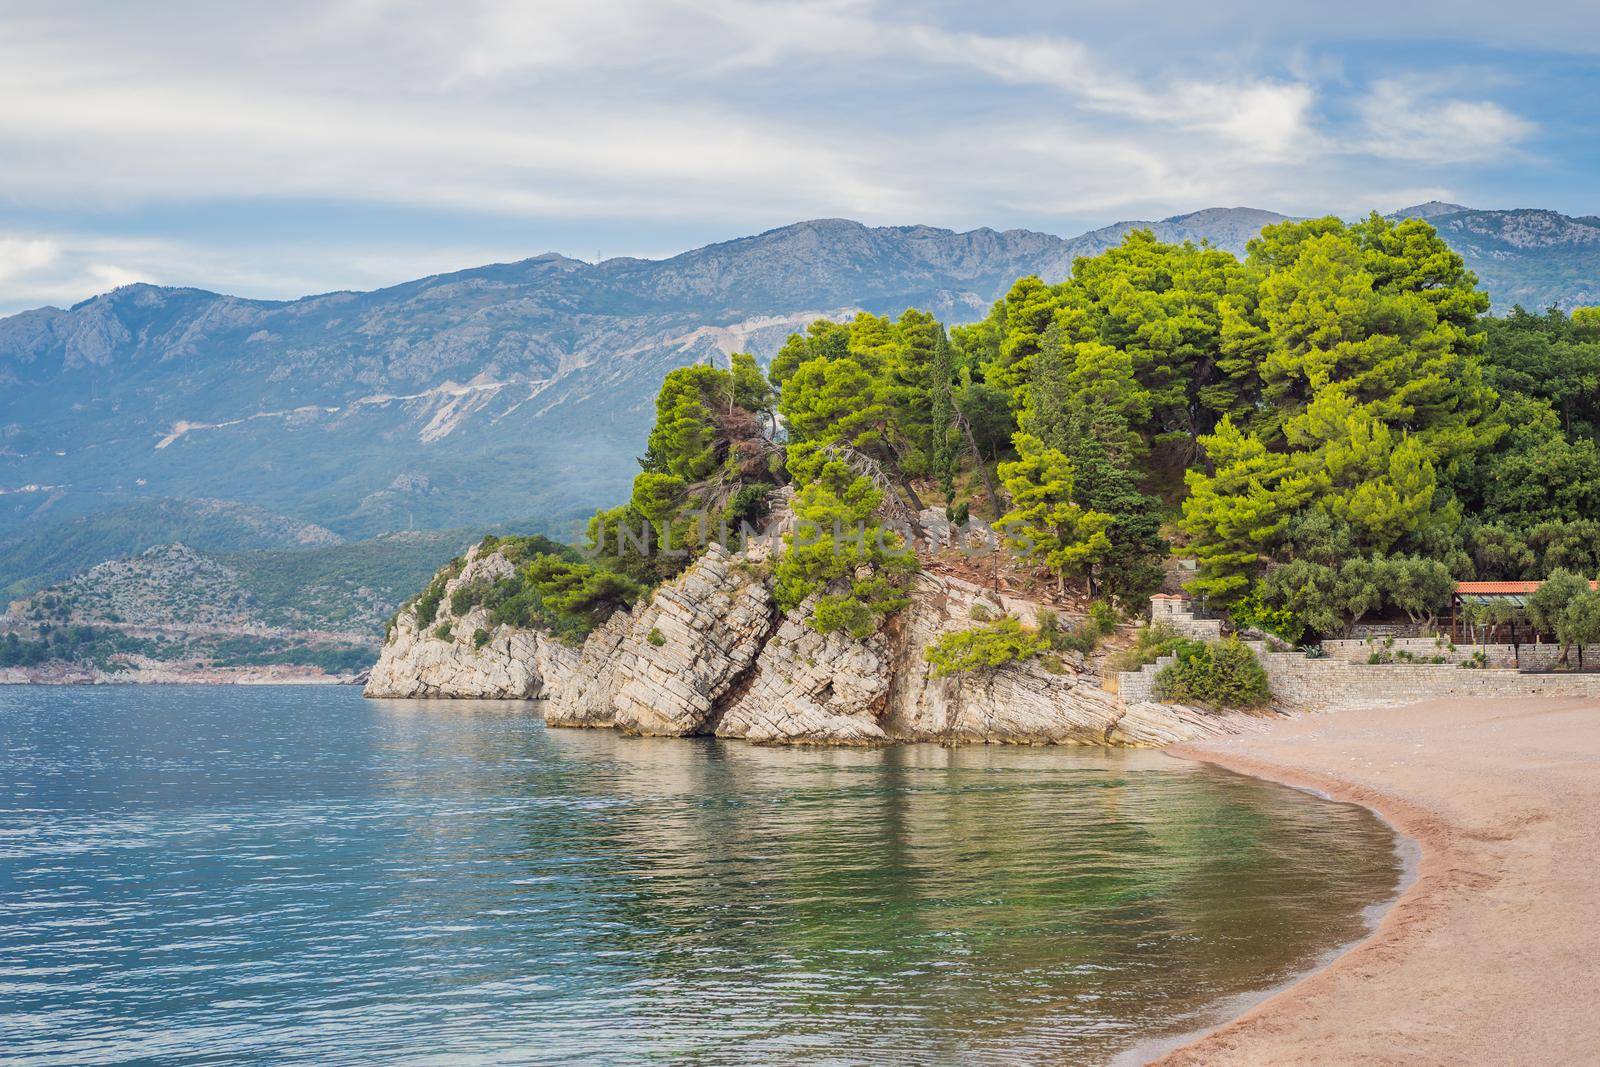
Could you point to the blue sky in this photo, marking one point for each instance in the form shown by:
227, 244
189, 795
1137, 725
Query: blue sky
277, 149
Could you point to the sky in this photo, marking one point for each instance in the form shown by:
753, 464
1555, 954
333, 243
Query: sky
274, 150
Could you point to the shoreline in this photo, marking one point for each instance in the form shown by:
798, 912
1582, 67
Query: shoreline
1488, 946
246, 677
1408, 850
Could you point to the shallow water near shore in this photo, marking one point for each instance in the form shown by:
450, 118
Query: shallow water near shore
195, 874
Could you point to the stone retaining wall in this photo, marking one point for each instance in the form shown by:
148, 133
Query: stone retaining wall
1134, 686
1301, 684
1344, 679
1511, 657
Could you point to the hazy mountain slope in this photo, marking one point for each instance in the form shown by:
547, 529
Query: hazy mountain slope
1528, 257
520, 388
33, 557
1230, 228
323, 605
511, 389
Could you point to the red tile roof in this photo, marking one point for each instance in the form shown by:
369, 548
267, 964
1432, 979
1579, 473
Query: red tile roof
1502, 588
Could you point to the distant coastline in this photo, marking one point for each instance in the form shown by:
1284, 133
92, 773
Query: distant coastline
76, 674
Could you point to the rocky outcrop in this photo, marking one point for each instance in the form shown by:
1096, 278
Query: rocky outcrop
587, 696
513, 664
811, 688
709, 653
663, 667
1039, 702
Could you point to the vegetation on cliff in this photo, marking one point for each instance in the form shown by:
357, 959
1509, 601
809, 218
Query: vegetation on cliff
1331, 425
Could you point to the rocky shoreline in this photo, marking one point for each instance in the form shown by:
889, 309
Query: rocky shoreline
709, 653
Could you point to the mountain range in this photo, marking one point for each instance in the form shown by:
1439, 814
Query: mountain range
516, 389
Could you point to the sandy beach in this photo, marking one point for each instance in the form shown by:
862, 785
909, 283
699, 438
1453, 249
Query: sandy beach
1493, 954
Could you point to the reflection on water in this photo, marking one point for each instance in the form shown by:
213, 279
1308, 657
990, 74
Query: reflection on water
187, 874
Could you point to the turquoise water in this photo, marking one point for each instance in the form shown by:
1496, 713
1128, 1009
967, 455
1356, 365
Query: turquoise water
200, 875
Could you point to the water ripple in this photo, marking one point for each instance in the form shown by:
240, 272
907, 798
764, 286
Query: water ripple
291, 875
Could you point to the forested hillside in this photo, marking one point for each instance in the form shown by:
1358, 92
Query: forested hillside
1331, 426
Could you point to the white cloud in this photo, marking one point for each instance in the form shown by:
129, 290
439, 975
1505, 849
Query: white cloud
1266, 115
647, 113
24, 257
1408, 119
37, 270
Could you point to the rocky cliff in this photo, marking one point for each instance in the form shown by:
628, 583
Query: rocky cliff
709, 653
506, 664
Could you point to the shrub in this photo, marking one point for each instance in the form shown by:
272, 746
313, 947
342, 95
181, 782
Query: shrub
1150, 644
861, 610
442, 631
480, 637
1252, 612
463, 599
1085, 637
656, 637
749, 504
1221, 674
427, 606
577, 597
983, 648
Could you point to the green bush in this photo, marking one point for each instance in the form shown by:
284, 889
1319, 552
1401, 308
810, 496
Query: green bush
1221, 674
1150, 644
1251, 612
749, 504
984, 648
442, 631
1083, 638
860, 611
480, 637
427, 607
656, 637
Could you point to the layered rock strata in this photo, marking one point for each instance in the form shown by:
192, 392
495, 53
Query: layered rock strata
710, 654
513, 664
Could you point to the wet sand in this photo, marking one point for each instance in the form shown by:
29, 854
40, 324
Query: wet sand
1493, 954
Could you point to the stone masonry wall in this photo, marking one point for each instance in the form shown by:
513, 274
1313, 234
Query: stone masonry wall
1301, 684
1513, 657
1344, 679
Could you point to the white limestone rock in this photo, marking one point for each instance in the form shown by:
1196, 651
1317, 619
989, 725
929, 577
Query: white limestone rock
512, 665
662, 668
1019, 703
811, 688
586, 696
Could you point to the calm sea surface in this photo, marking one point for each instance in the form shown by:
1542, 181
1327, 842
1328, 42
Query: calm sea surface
214, 875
